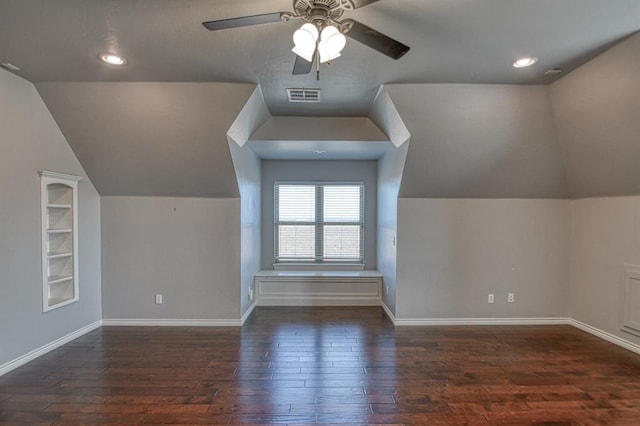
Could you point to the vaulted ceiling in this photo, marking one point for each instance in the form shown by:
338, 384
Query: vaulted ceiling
452, 41
167, 111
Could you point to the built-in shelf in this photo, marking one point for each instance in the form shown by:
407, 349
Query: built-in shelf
59, 197
53, 255
58, 301
59, 279
59, 231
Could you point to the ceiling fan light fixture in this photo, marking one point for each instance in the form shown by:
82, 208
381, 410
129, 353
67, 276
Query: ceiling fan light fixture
525, 62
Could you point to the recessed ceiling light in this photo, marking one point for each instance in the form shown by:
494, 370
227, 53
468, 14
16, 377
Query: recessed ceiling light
525, 62
319, 151
112, 59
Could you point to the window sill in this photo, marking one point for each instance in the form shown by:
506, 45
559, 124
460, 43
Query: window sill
311, 266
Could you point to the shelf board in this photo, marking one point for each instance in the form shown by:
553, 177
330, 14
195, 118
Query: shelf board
59, 206
59, 231
57, 300
59, 279
54, 255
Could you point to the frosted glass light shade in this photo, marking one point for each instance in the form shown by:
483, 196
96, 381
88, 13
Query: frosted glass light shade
332, 41
304, 40
306, 54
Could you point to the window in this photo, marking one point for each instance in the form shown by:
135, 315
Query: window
319, 222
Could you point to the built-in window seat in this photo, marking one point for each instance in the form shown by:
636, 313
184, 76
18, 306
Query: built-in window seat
318, 288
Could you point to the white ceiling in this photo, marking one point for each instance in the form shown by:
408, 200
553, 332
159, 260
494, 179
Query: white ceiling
452, 41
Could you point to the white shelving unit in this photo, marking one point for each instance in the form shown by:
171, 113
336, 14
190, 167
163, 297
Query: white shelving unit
59, 198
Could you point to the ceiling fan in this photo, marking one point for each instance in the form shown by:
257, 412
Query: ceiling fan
322, 18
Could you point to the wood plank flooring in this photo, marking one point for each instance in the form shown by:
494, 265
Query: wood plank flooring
329, 366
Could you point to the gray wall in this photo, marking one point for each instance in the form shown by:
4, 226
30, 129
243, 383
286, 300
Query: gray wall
187, 249
339, 129
479, 141
32, 141
249, 175
453, 253
151, 138
605, 236
390, 169
365, 171
389, 177
597, 111
248, 171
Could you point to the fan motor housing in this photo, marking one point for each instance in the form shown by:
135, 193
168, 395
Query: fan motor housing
318, 10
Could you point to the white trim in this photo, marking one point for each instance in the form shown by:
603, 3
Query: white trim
318, 301
56, 175
317, 266
30, 356
247, 314
471, 321
271, 275
387, 311
480, 321
605, 336
627, 322
160, 322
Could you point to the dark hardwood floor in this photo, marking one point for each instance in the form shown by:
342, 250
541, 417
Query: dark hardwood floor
327, 365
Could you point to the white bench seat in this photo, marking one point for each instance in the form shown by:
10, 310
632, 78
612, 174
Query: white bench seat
318, 288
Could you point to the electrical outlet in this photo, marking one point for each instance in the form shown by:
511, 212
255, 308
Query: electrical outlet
386, 289
158, 299
511, 297
250, 294
491, 298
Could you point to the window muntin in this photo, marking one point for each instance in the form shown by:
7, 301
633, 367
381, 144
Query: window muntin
319, 222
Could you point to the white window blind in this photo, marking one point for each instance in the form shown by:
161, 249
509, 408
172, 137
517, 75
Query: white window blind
319, 222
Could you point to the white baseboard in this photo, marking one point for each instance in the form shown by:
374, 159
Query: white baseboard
605, 336
471, 321
172, 322
478, 321
387, 311
248, 313
30, 356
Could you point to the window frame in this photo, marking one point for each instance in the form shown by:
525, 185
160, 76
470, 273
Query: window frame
318, 223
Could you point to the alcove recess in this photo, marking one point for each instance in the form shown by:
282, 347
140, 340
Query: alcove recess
59, 206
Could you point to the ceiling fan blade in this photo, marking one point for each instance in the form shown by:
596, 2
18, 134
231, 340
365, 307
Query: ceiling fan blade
375, 39
244, 21
302, 66
361, 3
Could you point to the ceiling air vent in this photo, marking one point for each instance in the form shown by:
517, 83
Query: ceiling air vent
10, 67
303, 95
554, 71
